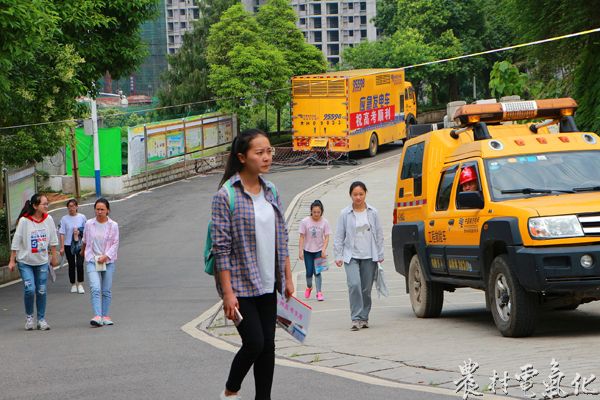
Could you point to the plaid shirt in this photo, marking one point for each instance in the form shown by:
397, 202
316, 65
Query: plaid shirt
234, 240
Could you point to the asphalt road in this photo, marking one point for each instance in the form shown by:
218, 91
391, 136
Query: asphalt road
159, 286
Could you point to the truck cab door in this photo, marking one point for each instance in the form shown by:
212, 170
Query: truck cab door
437, 224
463, 250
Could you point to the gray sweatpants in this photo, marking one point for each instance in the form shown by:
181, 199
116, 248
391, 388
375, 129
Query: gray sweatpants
360, 275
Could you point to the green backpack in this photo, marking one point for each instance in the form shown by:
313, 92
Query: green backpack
209, 258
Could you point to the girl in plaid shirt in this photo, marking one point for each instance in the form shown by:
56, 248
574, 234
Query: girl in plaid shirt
252, 261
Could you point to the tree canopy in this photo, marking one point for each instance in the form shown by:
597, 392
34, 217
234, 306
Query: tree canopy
51, 52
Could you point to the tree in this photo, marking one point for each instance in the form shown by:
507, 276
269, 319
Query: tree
507, 80
51, 52
277, 21
568, 67
186, 80
243, 67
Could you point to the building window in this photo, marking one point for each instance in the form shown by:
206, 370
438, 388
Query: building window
171, 39
183, 25
350, 6
363, 6
196, 13
350, 20
318, 37
363, 33
171, 51
332, 22
333, 36
363, 19
170, 26
316, 23
302, 7
319, 46
302, 21
316, 9
333, 60
351, 33
182, 11
333, 49
332, 8
170, 13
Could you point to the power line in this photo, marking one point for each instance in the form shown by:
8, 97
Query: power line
266, 92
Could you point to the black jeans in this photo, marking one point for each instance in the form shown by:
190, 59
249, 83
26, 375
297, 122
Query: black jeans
74, 260
258, 345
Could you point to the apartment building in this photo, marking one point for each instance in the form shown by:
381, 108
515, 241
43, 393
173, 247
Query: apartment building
180, 15
331, 26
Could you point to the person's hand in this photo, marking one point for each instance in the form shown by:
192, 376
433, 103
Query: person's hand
301, 255
230, 303
289, 288
62, 251
323, 254
380, 261
11, 265
76, 234
102, 259
339, 263
54, 261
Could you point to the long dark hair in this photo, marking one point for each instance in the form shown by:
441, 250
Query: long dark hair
240, 145
28, 209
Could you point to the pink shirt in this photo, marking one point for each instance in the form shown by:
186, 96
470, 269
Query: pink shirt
111, 240
314, 233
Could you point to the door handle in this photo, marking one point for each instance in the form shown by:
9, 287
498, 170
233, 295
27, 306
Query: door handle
451, 222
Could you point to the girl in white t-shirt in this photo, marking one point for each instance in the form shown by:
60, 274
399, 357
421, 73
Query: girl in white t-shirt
70, 234
314, 238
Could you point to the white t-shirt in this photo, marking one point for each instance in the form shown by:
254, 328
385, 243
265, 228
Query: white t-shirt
264, 225
68, 223
362, 237
32, 239
98, 243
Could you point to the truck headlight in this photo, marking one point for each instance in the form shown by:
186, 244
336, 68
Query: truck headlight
555, 227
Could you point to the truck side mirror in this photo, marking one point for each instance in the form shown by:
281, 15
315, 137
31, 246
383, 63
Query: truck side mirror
470, 200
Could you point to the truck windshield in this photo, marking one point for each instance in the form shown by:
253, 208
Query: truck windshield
543, 174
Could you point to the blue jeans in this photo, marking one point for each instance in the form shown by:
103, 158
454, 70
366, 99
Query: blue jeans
34, 285
309, 263
100, 287
360, 275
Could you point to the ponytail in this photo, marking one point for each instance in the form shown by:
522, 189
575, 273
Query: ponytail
240, 145
28, 209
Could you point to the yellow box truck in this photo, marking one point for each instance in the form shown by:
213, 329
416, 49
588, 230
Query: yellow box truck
351, 110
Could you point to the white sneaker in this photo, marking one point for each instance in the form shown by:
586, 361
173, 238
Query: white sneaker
80, 289
43, 325
29, 324
232, 397
73, 288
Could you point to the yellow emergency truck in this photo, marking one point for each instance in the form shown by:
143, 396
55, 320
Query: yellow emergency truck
511, 209
351, 110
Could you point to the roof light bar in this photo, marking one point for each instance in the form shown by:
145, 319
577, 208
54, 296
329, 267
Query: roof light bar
517, 110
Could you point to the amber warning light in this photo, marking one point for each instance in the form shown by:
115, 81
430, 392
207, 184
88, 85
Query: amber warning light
517, 110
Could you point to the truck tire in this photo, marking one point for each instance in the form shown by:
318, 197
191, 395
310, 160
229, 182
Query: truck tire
373, 145
514, 310
426, 297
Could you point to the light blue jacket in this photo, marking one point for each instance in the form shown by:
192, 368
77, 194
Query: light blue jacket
346, 229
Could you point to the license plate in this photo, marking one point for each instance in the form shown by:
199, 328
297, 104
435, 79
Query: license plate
318, 143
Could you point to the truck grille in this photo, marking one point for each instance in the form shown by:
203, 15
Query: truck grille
590, 224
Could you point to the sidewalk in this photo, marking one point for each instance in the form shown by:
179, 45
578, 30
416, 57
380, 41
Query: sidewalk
400, 347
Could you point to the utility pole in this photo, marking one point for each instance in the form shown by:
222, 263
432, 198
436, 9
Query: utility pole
96, 145
75, 164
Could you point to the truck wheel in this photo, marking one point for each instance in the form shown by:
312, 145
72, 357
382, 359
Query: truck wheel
426, 297
373, 145
514, 310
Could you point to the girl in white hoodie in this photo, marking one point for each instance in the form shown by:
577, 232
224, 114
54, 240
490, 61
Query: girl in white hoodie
35, 234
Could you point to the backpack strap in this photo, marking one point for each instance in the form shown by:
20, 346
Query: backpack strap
273, 189
231, 193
